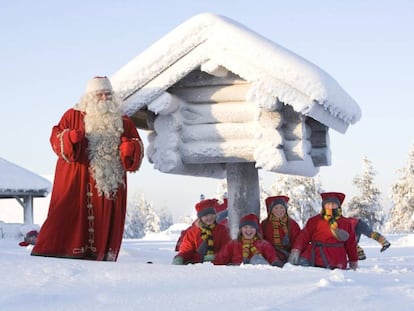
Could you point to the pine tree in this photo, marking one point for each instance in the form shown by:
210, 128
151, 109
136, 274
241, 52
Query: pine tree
134, 224
402, 195
263, 195
140, 218
367, 204
166, 219
304, 194
151, 219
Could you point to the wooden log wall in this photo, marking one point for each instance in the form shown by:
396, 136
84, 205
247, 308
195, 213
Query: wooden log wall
218, 123
319, 138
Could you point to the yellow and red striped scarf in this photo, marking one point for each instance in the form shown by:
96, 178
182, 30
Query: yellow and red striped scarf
207, 235
331, 219
277, 224
248, 248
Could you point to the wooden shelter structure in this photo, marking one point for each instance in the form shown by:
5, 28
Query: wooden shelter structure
222, 101
23, 185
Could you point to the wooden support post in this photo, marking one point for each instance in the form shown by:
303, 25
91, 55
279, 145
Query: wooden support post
28, 210
243, 193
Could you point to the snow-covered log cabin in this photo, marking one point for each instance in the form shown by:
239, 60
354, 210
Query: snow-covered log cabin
222, 101
213, 92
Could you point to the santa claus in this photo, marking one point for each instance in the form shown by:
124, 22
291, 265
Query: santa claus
96, 145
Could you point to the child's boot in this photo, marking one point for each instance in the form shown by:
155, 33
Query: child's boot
380, 239
361, 253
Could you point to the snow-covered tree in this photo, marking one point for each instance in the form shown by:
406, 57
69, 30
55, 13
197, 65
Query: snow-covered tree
140, 218
304, 194
402, 195
221, 190
263, 195
366, 205
166, 219
151, 219
134, 222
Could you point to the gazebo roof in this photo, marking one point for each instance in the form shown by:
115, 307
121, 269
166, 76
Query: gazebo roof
18, 181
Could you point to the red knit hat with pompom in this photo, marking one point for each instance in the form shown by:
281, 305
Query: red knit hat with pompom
251, 220
273, 201
206, 207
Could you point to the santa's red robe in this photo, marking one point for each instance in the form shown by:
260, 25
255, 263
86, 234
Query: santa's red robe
80, 223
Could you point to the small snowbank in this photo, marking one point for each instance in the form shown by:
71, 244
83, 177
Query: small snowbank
171, 234
15, 230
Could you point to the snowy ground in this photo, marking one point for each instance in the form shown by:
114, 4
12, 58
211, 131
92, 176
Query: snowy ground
385, 281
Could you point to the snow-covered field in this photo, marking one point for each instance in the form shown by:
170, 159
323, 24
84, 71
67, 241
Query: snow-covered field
385, 281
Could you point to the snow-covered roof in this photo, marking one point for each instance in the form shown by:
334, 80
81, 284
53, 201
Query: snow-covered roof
15, 180
210, 41
222, 93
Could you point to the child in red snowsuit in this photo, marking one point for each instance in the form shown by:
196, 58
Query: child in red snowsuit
249, 247
328, 239
204, 238
278, 228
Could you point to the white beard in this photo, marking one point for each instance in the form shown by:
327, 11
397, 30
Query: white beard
103, 129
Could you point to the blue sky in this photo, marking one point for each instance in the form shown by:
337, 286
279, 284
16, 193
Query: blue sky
50, 49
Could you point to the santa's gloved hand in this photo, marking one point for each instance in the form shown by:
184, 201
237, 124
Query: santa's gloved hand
126, 148
178, 260
208, 258
75, 136
294, 256
353, 265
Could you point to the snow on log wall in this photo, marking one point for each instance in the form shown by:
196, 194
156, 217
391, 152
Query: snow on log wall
210, 122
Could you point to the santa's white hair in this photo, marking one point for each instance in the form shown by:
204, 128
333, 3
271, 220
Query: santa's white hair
103, 129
